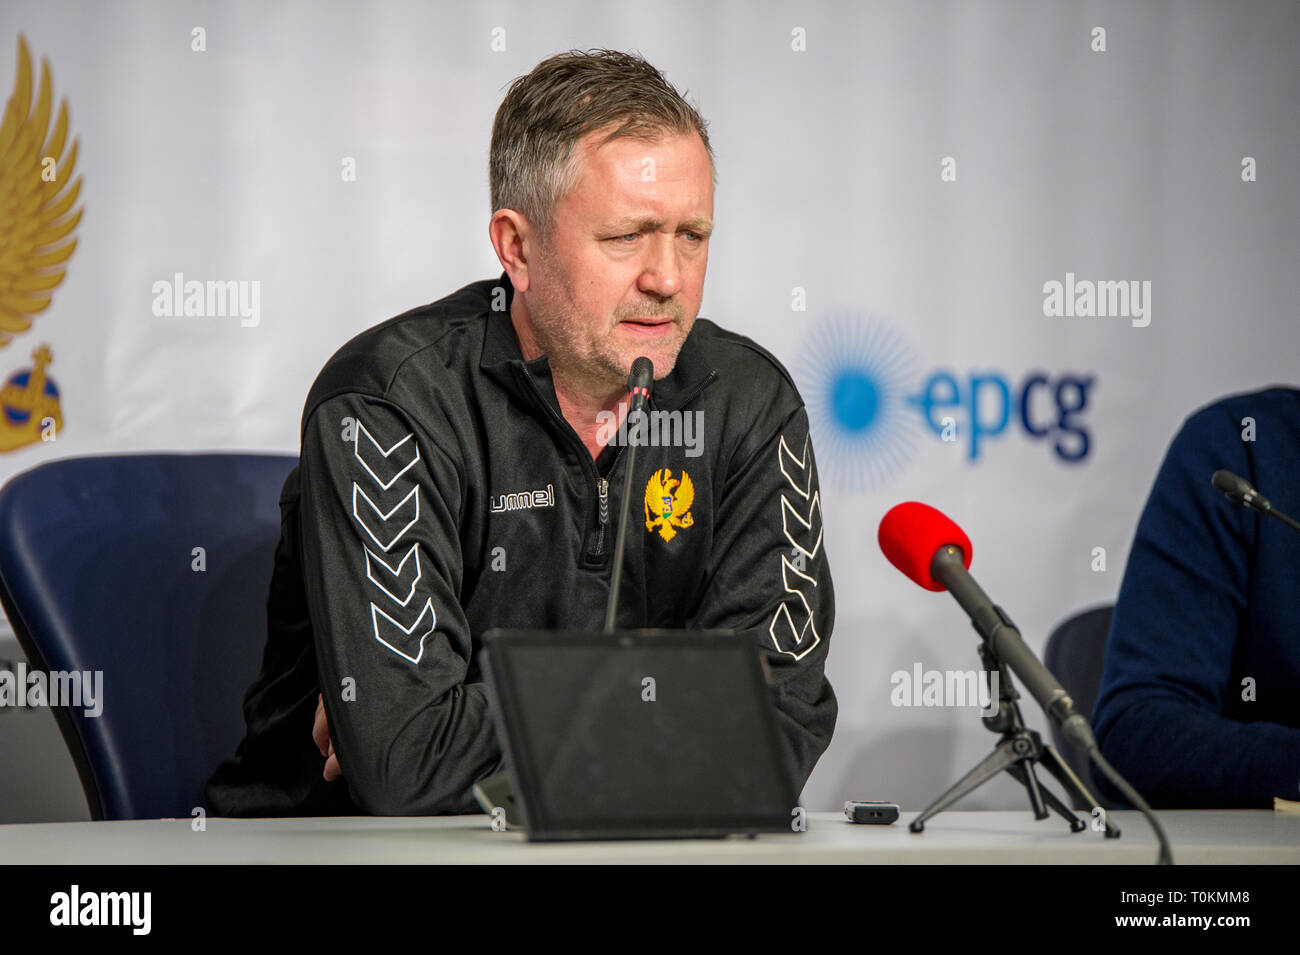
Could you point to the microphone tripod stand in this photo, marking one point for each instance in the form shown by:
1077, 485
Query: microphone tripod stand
1017, 753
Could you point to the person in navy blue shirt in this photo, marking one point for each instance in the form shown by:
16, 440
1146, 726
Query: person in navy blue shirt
1199, 704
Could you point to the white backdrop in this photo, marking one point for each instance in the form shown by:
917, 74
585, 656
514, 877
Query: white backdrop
831, 123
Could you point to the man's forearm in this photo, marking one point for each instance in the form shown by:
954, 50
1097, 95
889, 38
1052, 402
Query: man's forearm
1180, 755
805, 709
428, 765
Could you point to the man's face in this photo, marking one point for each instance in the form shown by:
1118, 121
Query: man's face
623, 275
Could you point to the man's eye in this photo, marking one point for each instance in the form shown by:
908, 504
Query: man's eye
695, 237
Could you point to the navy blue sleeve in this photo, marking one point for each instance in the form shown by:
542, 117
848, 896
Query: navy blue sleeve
1169, 675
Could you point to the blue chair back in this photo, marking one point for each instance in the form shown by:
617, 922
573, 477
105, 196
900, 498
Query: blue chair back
155, 570
1075, 653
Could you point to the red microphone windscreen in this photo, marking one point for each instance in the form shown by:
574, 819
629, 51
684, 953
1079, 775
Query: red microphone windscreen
910, 535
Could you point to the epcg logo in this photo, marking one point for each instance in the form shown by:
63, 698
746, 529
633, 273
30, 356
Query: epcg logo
869, 403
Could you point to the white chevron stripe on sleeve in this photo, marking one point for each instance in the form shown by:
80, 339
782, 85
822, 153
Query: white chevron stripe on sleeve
793, 630
370, 446
394, 575
804, 526
799, 463
426, 610
793, 634
413, 496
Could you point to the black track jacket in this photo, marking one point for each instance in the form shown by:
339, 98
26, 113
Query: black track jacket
440, 493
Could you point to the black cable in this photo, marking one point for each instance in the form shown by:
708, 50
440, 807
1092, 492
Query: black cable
1166, 856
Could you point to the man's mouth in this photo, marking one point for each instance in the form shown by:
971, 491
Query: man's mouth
648, 327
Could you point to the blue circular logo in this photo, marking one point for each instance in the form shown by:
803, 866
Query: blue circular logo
855, 374
855, 400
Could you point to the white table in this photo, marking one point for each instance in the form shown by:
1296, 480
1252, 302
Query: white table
1198, 837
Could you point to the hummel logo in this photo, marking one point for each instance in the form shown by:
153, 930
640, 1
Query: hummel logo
523, 500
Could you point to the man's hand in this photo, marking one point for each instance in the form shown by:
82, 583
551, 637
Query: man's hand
320, 732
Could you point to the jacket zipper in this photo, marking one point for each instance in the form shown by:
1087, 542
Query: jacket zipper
602, 487
602, 490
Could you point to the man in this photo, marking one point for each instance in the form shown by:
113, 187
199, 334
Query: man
460, 471
1199, 704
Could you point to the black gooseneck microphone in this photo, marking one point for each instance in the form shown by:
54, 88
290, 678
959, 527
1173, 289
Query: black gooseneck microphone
639, 383
494, 790
1240, 491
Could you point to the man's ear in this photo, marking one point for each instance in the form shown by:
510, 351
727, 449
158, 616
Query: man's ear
513, 238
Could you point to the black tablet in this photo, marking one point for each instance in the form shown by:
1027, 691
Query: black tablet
638, 734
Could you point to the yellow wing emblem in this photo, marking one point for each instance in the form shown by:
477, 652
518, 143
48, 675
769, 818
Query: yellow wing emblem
36, 192
668, 503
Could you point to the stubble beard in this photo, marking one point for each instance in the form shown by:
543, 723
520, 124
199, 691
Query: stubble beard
595, 366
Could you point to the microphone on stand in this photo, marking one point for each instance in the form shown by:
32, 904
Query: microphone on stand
639, 383
935, 553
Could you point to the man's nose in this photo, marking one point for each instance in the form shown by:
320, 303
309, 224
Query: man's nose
662, 273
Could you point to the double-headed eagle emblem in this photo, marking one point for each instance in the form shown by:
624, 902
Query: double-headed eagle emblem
668, 503
37, 192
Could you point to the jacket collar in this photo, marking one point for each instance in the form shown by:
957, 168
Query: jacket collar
502, 360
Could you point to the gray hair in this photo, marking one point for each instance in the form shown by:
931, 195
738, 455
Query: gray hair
532, 162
